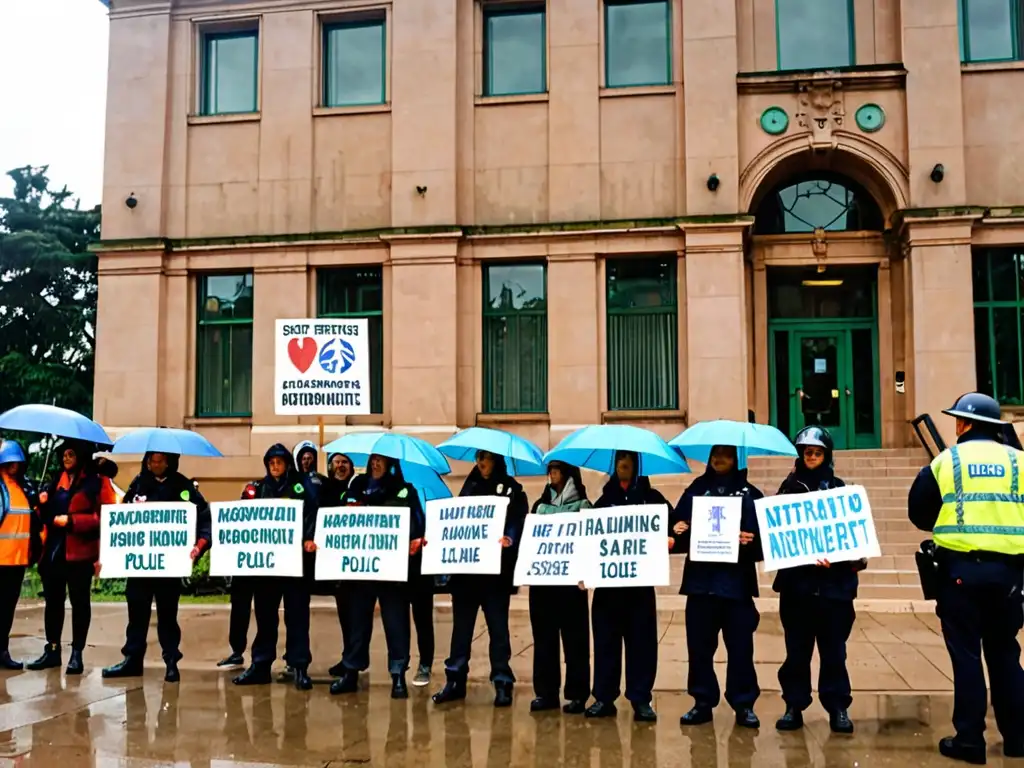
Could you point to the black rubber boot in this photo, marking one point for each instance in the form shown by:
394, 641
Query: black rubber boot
955, 749
745, 718
542, 704
644, 713
697, 716
503, 694
256, 674
171, 674
127, 667
49, 660
75, 664
601, 709
234, 660
793, 720
6, 662
347, 683
454, 690
840, 722
302, 679
399, 690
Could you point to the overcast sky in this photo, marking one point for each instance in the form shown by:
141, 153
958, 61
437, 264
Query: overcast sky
53, 61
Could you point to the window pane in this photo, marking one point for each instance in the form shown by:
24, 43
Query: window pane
637, 44
864, 379
1007, 355
514, 58
988, 32
1003, 265
354, 64
814, 34
225, 297
514, 288
224, 370
229, 78
983, 350
979, 275
515, 363
641, 283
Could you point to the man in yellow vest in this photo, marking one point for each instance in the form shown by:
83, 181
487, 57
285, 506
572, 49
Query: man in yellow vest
17, 498
970, 498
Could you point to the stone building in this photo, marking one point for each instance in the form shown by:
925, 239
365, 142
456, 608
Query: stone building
565, 212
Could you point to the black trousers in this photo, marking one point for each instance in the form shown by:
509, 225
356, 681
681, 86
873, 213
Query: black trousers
140, 595
736, 620
491, 596
341, 603
625, 616
72, 580
268, 595
976, 621
560, 615
241, 611
11, 577
808, 620
362, 598
422, 598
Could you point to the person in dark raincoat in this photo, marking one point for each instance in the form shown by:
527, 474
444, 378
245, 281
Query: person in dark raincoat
720, 597
561, 613
159, 481
625, 616
381, 486
306, 455
492, 594
332, 494
282, 481
816, 604
20, 539
70, 512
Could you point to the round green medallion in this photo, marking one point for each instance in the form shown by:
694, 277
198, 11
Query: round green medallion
870, 118
774, 121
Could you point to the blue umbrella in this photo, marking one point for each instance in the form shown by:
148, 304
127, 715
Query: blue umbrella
359, 446
595, 447
750, 440
182, 442
427, 482
51, 420
521, 456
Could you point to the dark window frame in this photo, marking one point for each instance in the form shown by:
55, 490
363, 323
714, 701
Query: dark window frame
985, 309
1016, 31
206, 39
353, 21
202, 324
851, 30
498, 10
608, 80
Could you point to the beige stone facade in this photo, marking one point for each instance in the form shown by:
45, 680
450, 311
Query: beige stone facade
712, 175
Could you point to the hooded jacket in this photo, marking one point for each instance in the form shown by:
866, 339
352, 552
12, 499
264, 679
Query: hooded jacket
573, 497
637, 491
288, 486
174, 486
332, 491
391, 490
735, 581
313, 480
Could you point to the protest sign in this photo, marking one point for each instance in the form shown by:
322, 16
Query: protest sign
262, 537
626, 546
362, 544
801, 529
152, 540
464, 535
549, 551
321, 367
715, 529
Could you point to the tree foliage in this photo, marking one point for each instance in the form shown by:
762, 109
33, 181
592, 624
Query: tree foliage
47, 295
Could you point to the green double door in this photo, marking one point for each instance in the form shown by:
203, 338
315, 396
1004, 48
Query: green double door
826, 374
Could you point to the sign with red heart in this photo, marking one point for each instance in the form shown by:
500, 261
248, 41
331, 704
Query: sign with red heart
322, 367
302, 354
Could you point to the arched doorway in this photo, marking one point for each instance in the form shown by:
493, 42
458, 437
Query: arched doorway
818, 250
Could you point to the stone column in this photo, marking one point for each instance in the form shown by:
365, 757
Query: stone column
574, 380
176, 331
716, 311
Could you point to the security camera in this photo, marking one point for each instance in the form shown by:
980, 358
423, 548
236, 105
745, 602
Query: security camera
421, 190
938, 173
131, 202
713, 182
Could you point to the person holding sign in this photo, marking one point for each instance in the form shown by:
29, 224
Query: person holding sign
282, 481
332, 494
70, 512
20, 539
816, 603
720, 595
306, 454
159, 481
492, 594
381, 486
560, 612
625, 616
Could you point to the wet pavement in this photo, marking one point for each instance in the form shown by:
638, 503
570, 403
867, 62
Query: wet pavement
898, 666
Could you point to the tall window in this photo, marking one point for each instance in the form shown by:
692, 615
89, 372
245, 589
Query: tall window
514, 49
998, 277
814, 34
228, 71
991, 30
358, 292
224, 346
637, 43
355, 62
819, 201
515, 339
643, 334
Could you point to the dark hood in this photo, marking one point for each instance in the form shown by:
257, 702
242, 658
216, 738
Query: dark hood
302, 448
278, 450
108, 468
573, 473
173, 460
500, 473
640, 483
730, 482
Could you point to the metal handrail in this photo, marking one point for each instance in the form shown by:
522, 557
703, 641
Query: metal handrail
940, 444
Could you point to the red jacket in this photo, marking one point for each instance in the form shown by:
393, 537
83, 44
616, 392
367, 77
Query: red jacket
89, 493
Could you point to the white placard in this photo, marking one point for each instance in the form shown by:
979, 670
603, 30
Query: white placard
801, 529
362, 544
549, 551
464, 535
321, 367
259, 537
152, 540
715, 529
626, 546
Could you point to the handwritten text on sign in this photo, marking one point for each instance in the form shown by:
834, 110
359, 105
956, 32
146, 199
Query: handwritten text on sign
464, 535
256, 538
626, 546
153, 540
548, 553
715, 529
362, 544
801, 529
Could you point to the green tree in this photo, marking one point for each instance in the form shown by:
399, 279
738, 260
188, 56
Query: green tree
47, 294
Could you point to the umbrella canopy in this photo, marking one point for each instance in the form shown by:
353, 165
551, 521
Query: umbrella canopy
595, 447
521, 456
359, 446
750, 440
182, 442
51, 420
427, 482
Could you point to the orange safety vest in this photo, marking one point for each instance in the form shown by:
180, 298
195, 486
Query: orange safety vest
16, 527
